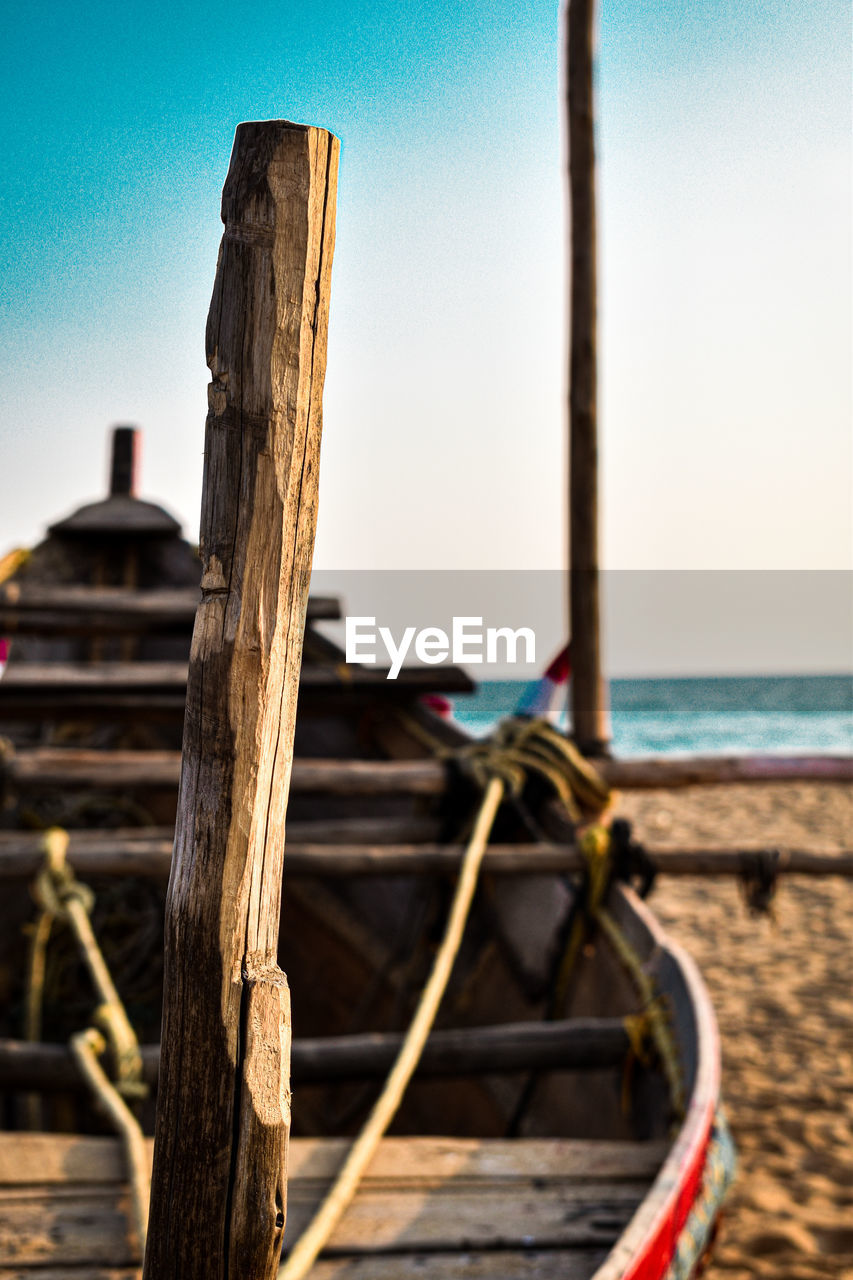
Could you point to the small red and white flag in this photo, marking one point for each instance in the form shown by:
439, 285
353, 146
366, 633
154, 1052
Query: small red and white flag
545, 699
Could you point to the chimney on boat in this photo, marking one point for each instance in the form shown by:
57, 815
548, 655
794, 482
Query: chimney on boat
123, 463
121, 514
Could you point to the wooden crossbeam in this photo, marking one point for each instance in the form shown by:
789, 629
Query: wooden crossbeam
80, 767
692, 771
71, 610
116, 690
61, 766
581, 1043
364, 847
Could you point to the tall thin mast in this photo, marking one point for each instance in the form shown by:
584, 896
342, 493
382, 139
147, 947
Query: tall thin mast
589, 709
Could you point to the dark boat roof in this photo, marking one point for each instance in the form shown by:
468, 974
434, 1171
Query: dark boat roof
119, 515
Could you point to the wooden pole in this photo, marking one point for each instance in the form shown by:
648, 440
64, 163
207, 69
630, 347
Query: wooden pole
589, 707
218, 1193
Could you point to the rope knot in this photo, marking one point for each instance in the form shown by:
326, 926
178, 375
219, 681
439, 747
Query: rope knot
595, 845
61, 895
523, 748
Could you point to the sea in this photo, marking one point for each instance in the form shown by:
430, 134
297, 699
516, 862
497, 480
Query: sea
724, 715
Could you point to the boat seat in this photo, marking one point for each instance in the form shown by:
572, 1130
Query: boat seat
48, 610
436, 1208
113, 690
84, 767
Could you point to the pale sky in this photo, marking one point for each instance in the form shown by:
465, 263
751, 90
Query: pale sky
725, 266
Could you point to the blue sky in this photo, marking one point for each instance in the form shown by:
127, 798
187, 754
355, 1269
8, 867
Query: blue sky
725, 299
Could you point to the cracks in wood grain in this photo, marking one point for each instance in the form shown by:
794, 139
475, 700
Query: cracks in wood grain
314, 328
254, 234
236, 1099
289, 641
241, 419
239, 487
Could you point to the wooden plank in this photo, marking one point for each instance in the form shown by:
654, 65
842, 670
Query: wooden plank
736, 862
504, 1264
499, 1264
516, 1046
324, 683
148, 853
444, 1217
157, 689
69, 767
305, 858
70, 1273
92, 1227
81, 767
50, 1160
69, 677
690, 771
43, 1068
78, 610
550, 1203
62, 1201
60, 766
579, 1043
223, 1105
370, 777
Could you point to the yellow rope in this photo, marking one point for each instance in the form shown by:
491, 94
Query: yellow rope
653, 1017
87, 1047
34, 999
638, 1029
595, 846
652, 1006
537, 746
345, 1185
62, 896
528, 747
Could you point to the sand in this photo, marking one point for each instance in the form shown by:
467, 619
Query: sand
782, 988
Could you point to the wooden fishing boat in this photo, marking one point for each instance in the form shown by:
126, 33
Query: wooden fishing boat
564, 1118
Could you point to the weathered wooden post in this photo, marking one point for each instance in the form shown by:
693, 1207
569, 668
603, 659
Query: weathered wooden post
218, 1193
589, 704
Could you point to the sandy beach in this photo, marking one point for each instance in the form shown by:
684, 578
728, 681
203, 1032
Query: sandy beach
782, 987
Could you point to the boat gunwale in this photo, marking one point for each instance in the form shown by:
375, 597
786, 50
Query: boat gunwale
647, 1246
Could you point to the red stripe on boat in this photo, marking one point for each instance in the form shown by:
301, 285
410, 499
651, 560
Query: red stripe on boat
658, 1249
